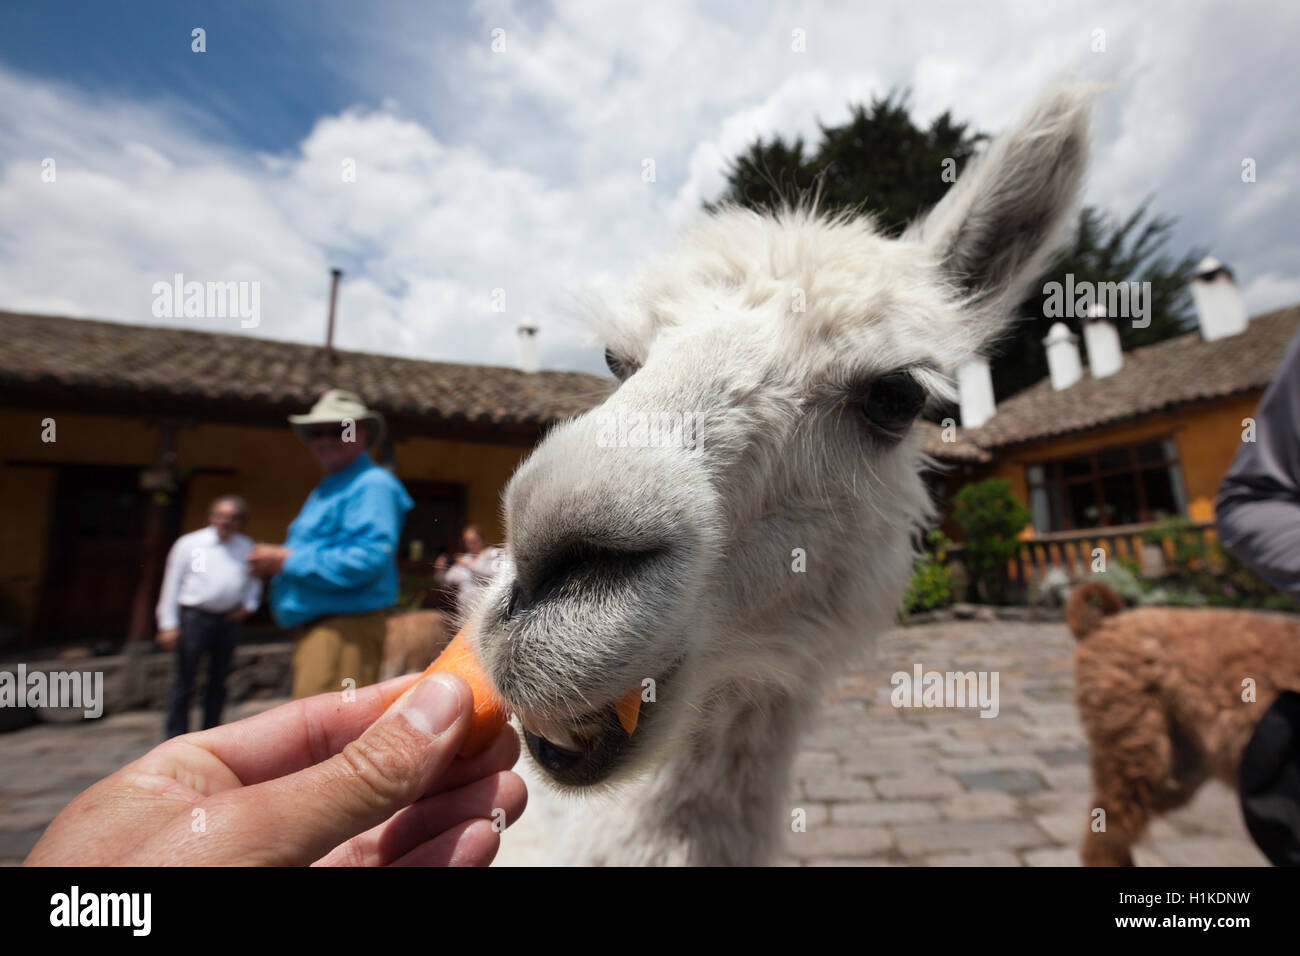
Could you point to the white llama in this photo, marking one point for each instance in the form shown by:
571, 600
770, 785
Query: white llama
738, 571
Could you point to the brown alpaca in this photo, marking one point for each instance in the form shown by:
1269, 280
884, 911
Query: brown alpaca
413, 639
1160, 692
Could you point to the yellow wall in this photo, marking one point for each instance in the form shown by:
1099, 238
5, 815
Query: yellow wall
482, 469
271, 469
28, 492
1207, 436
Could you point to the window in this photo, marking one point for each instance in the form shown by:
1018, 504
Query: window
1117, 485
435, 522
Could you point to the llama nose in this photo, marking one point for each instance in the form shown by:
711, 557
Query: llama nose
575, 567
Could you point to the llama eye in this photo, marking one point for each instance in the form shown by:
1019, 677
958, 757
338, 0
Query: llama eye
621, 369
891, 403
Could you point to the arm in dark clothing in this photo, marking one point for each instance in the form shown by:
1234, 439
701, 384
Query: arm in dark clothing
1257, 511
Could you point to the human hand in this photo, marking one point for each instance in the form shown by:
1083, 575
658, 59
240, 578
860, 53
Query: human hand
440, 563
266, 560
321, 780
238, 614
168, 639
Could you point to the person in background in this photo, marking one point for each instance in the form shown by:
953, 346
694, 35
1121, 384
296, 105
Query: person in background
1257, 512
336, 574
206, 592
472, 571
1257, 517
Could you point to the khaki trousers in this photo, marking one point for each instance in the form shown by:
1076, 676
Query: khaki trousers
335, 648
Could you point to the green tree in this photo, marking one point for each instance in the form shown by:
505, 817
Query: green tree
879, 161
1102, 249
883, 163
991, 517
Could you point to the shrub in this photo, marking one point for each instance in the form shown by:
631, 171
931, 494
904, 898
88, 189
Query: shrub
931, 584
1204, 573
1124, 580
991, 517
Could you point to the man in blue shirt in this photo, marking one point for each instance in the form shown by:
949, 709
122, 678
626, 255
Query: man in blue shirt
336, 574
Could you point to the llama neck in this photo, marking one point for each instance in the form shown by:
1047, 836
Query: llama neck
721, 800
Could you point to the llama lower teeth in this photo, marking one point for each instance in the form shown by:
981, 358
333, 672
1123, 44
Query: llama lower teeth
558, 737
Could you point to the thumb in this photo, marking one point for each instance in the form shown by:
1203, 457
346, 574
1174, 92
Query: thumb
394, 763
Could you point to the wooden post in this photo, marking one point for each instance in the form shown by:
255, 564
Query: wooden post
155, 540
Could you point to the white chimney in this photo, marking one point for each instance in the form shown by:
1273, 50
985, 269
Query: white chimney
526, 355
1101, 339
1218, 300
975, 392
1063, 356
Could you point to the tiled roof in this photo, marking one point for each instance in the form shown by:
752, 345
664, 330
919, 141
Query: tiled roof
202, 369
960, 449
1153, 379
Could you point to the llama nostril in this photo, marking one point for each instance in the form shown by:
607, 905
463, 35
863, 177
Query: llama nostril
573, 568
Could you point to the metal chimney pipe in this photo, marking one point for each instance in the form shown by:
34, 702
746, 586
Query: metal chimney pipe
334, 294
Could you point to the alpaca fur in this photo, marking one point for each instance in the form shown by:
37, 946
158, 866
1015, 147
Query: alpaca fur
679, 565
1160, 694
412, 640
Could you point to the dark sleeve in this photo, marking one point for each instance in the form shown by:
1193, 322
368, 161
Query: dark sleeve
1257, 511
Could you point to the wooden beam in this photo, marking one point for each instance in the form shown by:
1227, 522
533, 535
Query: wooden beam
155, 541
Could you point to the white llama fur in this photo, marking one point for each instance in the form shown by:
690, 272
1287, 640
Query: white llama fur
785, 462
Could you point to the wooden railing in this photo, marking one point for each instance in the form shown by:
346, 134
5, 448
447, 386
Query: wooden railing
1073, 550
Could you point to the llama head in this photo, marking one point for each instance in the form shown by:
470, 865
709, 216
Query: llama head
741, 511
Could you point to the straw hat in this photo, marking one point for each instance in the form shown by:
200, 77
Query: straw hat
335, 407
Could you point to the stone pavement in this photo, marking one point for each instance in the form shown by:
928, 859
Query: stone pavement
878, 785
945, 787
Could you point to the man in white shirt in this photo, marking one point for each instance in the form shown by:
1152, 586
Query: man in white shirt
472, 571
206, 591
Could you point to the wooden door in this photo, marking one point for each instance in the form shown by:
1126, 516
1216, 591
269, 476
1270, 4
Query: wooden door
96, 554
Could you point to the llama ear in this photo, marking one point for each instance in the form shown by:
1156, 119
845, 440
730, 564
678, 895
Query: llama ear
995, 228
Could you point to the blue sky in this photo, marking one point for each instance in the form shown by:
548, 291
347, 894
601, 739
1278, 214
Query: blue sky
519, 170
254, 82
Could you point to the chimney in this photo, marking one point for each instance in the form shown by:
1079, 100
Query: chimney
1101, 339
334, 295
526, 357
1218, 300
1063, 356
975, 392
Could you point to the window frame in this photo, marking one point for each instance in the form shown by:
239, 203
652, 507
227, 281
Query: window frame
1055, 483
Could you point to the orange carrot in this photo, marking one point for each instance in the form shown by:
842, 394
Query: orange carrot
490, 712
629, 708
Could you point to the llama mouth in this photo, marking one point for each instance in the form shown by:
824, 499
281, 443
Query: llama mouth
582, 752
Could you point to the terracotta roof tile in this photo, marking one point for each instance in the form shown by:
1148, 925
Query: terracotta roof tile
40, 350
237, 369
961, 449
1153, 379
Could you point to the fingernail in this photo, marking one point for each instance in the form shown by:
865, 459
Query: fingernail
432, 705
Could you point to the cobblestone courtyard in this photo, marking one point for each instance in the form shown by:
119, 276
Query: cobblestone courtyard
879, 785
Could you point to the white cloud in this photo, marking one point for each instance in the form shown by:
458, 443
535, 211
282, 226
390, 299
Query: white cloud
539, 187
1271, 291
